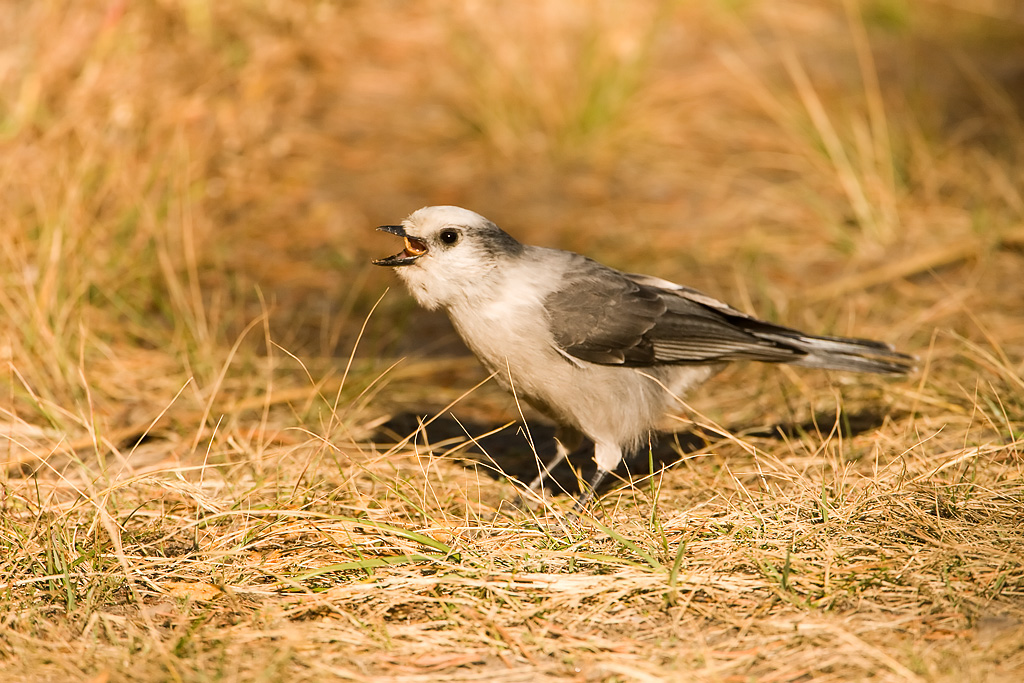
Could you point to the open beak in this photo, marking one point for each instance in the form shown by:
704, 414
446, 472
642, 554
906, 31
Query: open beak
414, 248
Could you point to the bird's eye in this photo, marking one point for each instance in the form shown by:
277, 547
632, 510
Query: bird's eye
449, 236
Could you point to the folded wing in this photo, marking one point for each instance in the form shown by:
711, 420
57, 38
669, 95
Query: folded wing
599, 315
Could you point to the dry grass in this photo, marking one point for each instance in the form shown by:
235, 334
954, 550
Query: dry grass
191, 493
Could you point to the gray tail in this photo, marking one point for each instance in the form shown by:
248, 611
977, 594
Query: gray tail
853, 355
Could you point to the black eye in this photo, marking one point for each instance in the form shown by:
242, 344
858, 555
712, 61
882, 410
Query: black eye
449, 236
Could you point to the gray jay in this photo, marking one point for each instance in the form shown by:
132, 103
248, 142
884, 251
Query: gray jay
605, 354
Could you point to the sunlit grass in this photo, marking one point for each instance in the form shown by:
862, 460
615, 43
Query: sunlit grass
196, 486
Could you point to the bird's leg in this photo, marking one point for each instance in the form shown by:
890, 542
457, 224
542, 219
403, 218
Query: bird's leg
607, 456
595, 481
567, 440
561, 453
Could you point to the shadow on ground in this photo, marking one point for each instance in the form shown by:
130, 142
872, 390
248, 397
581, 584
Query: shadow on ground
507, 452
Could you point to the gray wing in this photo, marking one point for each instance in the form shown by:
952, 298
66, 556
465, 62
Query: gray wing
600, 315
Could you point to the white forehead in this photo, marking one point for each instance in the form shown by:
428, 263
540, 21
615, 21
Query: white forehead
437, 216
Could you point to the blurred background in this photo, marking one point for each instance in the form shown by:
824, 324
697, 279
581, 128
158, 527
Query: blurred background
171, 170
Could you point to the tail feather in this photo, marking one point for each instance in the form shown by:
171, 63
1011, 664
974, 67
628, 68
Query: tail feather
830, 353
853, 355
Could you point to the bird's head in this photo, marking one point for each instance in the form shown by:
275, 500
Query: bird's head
448, 250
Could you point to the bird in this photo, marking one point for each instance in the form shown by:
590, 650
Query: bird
605, 354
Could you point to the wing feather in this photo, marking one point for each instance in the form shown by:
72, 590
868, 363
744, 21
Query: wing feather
602, 316
599, 315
